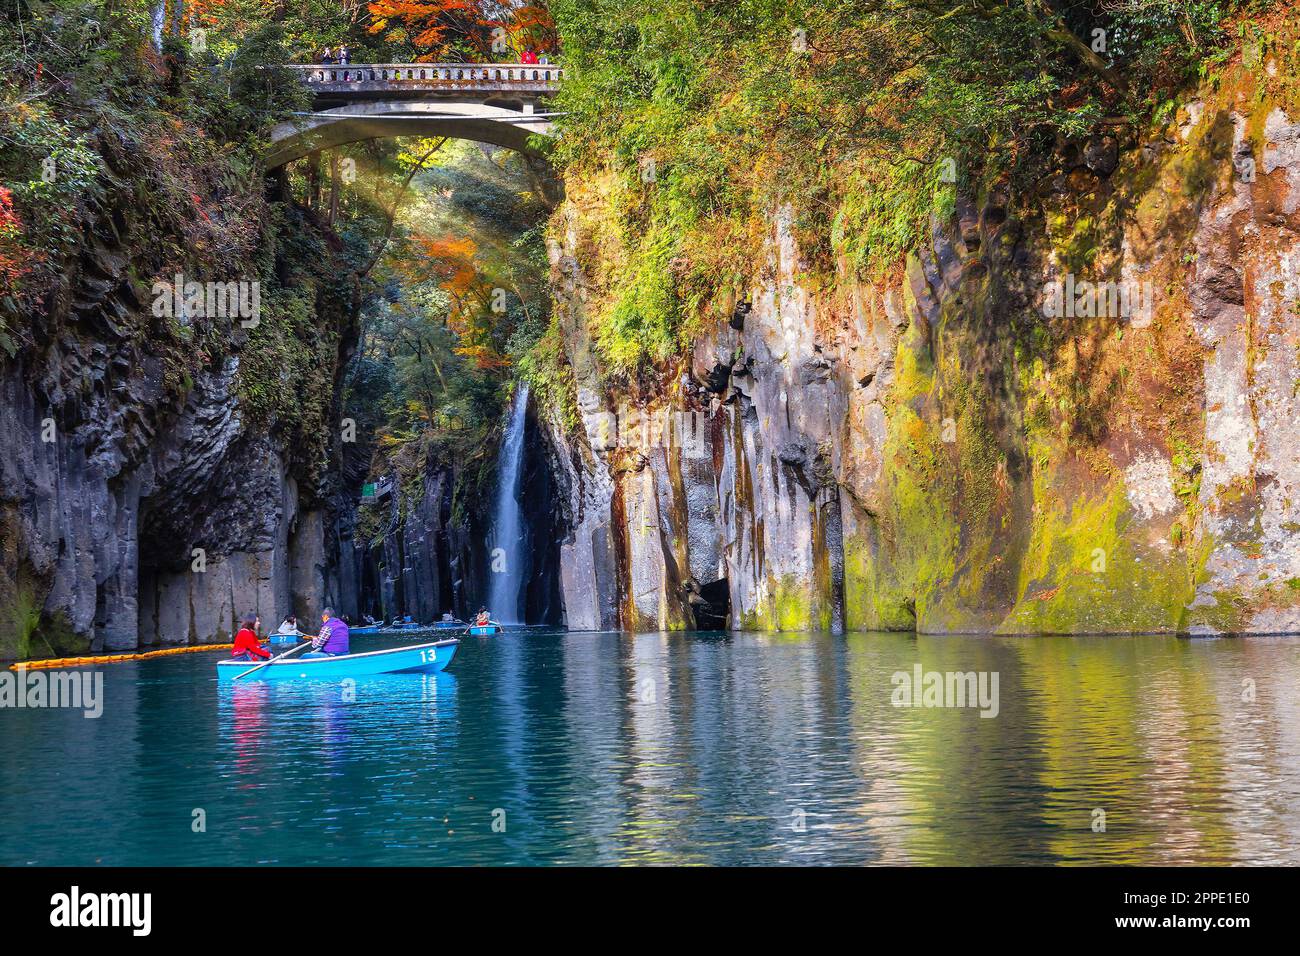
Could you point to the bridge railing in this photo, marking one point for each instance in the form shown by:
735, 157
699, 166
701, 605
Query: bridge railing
530, 76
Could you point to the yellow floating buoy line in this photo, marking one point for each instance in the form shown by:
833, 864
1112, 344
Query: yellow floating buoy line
115, 658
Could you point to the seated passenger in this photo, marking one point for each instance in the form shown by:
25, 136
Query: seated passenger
247, 646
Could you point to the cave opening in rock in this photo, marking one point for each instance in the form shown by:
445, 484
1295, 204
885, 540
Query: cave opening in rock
711, 605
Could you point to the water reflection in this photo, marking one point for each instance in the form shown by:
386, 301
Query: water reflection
551, 747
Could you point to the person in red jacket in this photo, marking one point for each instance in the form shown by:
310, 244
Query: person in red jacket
247, 645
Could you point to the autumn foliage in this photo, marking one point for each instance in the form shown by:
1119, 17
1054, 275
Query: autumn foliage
467, 27
13, 259
450, 261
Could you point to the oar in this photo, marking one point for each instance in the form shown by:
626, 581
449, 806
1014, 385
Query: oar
273, 659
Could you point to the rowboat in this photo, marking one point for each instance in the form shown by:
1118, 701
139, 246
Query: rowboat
405, 626
448, 625
295, 638
482, 630
419, 659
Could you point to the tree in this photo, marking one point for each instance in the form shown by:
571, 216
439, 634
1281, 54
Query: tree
468, 29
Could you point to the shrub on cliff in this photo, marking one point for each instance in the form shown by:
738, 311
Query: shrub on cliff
862, 117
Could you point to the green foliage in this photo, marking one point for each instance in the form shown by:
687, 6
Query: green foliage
457, 298
541, 362
91, 115
237, 88
646, 312
849, 112
24, 618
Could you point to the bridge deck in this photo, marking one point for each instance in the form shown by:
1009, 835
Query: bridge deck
487, 102
518, 78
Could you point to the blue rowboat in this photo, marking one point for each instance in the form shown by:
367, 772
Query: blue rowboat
448, 625
298, 638
420, 659
482, 630
406, 626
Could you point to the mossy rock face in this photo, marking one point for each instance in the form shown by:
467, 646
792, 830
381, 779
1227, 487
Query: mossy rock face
940, 551
1084, 575
794, 606
1008, 484
788, 603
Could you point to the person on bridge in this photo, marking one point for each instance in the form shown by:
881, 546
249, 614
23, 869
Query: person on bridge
345, 57
529, 56
327, 56
247, 646
332, 639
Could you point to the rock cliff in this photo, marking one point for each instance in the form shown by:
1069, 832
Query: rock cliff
954, 448
151, 490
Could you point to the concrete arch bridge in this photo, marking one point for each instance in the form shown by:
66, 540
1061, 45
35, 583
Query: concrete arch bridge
498, 103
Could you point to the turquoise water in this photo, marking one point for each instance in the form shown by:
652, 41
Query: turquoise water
695, 749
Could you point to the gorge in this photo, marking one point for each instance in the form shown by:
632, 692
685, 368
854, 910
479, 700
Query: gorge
808, 415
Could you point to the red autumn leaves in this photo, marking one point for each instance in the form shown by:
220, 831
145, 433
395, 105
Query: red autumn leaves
435, 26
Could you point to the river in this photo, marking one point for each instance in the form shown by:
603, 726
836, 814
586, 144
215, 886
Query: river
545, 747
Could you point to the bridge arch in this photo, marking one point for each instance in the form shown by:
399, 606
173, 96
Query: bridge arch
492, 103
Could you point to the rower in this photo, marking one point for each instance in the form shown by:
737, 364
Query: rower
482, 620
333, 637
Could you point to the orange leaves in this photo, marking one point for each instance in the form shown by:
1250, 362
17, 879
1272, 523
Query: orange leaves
431, 24
9, 221
448, 259
484, 356
225, 13
435, 25
198, 207
453, 262
448, 247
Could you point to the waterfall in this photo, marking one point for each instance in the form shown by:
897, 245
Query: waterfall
506, 556
156, 22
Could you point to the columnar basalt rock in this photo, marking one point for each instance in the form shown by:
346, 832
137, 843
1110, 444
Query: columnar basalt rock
141, 504
942, 450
